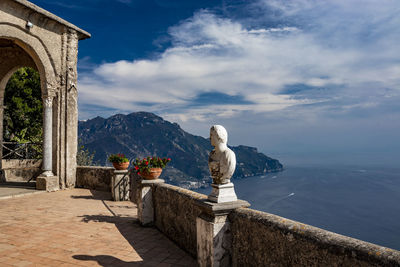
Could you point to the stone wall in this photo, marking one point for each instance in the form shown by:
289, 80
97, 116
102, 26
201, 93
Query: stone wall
257, 238
176, 213
50, 45
97, 178
15, 170
262, 239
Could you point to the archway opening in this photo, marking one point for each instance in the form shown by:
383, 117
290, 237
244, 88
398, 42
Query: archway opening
21, 114
22, 118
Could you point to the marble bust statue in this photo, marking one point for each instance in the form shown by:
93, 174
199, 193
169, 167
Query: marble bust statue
222, 160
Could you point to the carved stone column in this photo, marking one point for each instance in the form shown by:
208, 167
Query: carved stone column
47, 181
47, 136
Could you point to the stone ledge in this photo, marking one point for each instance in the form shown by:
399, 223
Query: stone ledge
95, 167
182, 191
341, 245
121, 171
150, 182
221, 208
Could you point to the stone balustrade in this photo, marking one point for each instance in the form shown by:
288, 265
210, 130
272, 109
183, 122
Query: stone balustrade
263, 239
255, 238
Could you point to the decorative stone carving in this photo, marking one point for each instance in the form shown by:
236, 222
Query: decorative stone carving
48, 102
222, 164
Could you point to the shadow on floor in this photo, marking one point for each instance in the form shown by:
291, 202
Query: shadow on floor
25, 185
98, 195
105, 260
151, 246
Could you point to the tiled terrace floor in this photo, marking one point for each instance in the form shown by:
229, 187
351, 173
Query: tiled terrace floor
80, 228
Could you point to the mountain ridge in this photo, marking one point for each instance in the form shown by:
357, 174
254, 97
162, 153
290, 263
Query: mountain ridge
142, 134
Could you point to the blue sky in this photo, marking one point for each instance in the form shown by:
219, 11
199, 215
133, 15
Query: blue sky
301, 79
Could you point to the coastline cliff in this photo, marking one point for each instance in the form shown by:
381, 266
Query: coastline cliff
142, 134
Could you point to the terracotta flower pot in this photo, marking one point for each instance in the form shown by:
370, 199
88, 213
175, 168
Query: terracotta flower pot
121, 166
153, 174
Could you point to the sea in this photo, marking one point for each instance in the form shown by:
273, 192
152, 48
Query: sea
360, 202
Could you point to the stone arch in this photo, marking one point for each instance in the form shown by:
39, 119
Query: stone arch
27, 50
51, 43
38, 53
12, 58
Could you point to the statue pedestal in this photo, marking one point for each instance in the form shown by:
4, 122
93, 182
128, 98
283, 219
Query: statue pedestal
222, 193
213, 228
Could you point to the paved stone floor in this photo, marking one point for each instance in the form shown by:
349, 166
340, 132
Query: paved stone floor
9, 190
80, 227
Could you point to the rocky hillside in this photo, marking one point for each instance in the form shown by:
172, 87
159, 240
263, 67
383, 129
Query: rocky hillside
142, 134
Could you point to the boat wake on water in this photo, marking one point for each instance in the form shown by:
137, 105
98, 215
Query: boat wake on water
280, 199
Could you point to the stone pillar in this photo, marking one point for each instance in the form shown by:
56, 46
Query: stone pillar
214, 239
145, 202
120, 185
47, 181
47, 136
1, 130
71, 108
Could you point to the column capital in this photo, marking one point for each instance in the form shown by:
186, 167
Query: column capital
48, 101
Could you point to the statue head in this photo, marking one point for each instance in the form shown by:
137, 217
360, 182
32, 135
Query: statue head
218, 135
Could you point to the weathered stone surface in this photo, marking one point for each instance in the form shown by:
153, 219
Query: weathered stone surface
213, 241
97, 178
176, 214
51, 47
222, 193
212, 208
135, 187
257, 238
262, 239
145, 204
145, 201
14, 170
214, 238
120, 185
48, 183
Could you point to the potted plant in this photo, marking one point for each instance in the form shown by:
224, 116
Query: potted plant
119, 161
150, 167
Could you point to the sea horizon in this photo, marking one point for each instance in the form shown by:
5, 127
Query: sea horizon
356, 201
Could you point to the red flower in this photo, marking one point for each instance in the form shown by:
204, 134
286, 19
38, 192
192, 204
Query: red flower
147, 163
169, 159
136, 167
138, 173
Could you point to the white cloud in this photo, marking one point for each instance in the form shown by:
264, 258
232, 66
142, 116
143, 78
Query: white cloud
336, 49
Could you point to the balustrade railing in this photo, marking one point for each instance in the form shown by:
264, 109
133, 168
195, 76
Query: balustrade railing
15, 150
